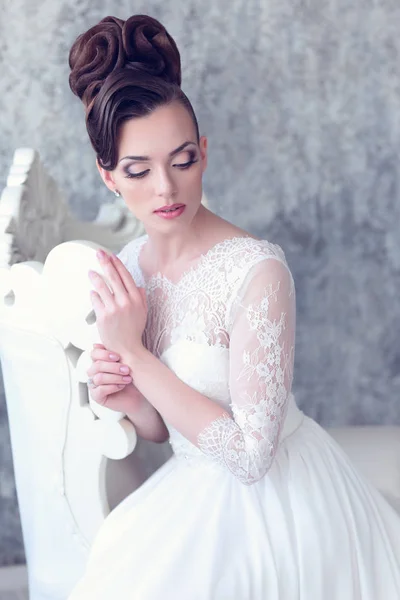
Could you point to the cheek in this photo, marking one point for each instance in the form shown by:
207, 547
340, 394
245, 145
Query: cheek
191, 187
195, 176
135, 189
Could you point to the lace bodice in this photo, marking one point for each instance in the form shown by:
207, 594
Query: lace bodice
227, 329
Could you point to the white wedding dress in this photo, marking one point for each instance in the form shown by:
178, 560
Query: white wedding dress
266, 506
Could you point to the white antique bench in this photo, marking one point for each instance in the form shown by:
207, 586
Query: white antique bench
74, 460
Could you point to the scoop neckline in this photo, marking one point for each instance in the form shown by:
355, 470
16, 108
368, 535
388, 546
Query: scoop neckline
159, 277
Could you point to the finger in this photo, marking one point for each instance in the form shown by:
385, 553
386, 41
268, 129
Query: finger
110, 379
97, 303
112, 274
101, 288
142, 292
100, 354
124, 274
100, 366
101, 393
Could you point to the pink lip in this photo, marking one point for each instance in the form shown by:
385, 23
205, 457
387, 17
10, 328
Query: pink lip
169, 207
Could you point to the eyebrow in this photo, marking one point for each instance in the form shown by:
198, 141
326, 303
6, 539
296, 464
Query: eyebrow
172, 153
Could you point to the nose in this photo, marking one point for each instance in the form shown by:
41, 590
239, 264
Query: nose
165, 186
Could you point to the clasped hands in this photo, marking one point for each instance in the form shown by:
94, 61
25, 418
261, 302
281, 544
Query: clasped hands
121, 314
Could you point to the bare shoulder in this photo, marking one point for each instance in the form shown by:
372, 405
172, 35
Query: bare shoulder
223, 230
261, 249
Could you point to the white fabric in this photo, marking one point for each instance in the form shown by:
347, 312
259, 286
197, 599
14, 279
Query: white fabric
261, 353
305, 524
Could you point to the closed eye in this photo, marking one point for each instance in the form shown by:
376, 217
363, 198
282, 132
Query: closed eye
182, 166
137, 175
185, 165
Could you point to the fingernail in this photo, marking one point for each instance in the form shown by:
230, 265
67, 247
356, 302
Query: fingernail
100, 254
127, 379
124, 369
113, 356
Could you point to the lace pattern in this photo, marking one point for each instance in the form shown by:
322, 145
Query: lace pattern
263, 338
238, 299
197, 306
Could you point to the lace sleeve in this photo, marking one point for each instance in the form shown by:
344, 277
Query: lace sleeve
262, 342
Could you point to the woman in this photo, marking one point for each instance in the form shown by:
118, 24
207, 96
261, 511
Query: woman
198, 332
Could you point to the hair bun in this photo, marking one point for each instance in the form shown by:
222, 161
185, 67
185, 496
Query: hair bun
149, 47
141, 43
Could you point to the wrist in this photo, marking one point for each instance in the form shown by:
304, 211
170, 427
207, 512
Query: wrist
136, 359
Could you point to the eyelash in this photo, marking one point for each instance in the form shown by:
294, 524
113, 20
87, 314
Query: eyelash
182, 166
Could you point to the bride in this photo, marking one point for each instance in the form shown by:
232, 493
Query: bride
198, 331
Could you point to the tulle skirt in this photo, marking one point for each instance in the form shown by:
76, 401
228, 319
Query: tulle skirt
312, 529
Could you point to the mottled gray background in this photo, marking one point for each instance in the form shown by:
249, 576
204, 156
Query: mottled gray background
301, 104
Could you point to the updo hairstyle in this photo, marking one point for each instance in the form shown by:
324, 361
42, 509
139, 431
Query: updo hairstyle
123, 70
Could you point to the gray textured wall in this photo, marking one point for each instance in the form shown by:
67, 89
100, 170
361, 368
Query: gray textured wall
301, 104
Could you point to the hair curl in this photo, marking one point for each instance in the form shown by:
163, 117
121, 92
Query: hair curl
123, 70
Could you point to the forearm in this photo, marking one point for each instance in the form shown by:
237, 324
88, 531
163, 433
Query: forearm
185, 409
147, 420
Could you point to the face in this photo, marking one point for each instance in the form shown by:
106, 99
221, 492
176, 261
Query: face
160, 163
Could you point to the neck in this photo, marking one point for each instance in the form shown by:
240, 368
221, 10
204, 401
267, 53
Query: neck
180, 246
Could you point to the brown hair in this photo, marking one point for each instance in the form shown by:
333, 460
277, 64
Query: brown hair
122, 70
